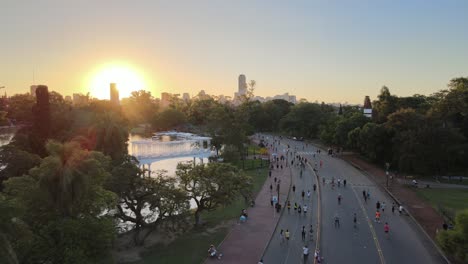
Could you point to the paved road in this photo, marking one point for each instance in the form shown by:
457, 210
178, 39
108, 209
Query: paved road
367, 242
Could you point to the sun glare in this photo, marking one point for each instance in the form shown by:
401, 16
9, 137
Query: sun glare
126, 78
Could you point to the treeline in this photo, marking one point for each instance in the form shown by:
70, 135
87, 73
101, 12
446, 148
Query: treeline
425, 135
68, 185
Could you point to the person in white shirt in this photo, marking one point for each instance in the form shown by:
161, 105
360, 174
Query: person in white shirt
304, 208
305, 251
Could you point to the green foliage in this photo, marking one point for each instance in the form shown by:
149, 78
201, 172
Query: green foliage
169, 119
305, 119
20, 107
145, 202
59, 206
109, 134
212, 185
140, 107
455, 242
16, 161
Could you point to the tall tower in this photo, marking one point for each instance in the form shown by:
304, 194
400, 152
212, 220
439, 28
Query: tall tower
367, 107
114, 94
242, 85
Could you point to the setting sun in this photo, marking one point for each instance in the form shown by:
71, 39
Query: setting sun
127, 79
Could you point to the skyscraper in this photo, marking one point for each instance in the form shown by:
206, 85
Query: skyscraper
242, 85
114, 94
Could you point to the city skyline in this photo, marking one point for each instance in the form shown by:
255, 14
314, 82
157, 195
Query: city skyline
324, 51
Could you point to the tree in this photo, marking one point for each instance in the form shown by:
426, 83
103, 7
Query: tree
212, 185
455, 242
60, 208
16, 162
386, 105
169, 119
110, 134
146, 202
20, 107
140, 107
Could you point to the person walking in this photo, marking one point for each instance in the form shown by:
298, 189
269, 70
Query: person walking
303, 233
308, 194
315, 185
299, 209
393, 208
355, 220
377, 205
364, 194
271, 187
303, 194
377, 216
386, 229
295, 206
305, 251
289, 206
304, 208
400, 209
383, 207
344, 183
281, 236
294, 188
311, 233
286, 235
337, 221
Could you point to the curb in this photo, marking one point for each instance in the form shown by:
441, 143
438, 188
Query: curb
319, 213
399, 203
279, 218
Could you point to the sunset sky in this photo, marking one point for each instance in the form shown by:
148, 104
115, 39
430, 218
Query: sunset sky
332, 51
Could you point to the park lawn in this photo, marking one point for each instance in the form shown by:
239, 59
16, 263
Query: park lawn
453, 199
192, 246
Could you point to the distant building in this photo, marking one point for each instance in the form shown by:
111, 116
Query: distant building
242, 90
367, 109
33, 90
68, 99
165, 100
80, 99
186, 96
114, 94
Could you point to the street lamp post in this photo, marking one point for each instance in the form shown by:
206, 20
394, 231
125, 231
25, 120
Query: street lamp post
387, 166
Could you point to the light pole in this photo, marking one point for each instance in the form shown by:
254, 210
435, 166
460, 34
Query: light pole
387, 166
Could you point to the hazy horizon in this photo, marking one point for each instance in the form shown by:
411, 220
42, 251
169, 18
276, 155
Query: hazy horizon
332, 51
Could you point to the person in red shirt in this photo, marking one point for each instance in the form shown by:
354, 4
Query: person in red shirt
377, 216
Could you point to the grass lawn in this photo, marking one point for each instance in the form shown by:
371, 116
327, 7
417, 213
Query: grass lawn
192, 246
447, 201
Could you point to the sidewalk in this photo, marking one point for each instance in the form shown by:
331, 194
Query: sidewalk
247, 241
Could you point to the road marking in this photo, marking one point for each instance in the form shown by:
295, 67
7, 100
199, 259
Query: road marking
371, 227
